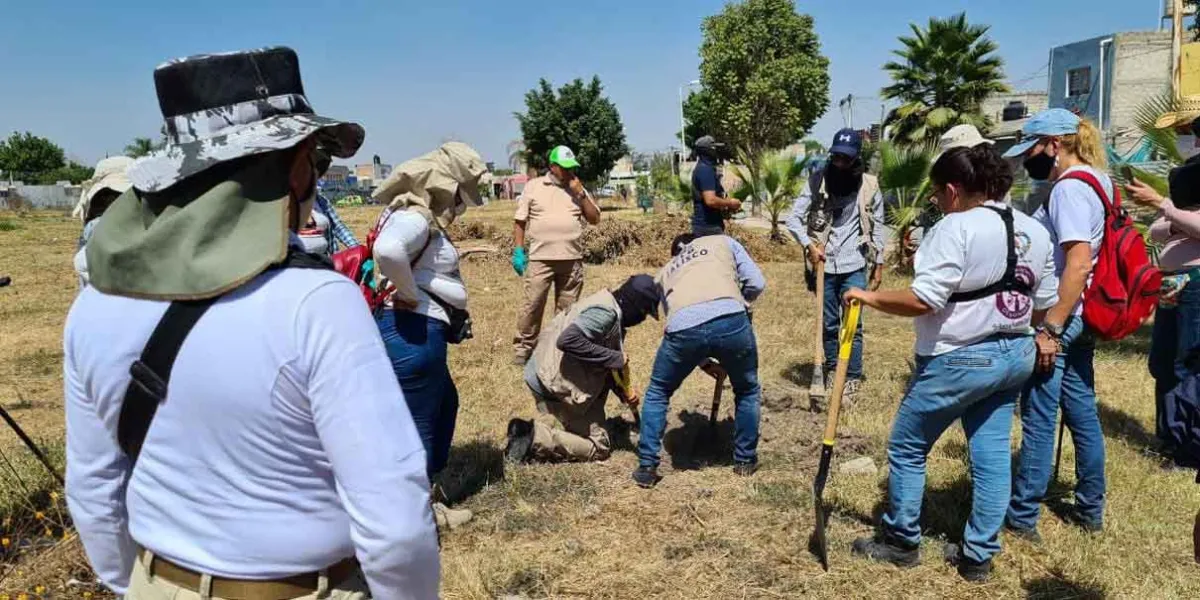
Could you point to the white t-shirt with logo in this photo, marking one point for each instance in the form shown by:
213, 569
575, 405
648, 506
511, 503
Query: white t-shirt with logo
967, 251
1075, 214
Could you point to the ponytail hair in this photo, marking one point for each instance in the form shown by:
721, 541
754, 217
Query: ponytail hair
1087, 145
978, 170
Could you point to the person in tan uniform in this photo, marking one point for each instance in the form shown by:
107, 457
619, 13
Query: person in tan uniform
571, 373
706, 289
550, 213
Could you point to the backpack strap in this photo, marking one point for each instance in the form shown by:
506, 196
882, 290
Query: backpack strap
150, 374
1009, 282
1112, 206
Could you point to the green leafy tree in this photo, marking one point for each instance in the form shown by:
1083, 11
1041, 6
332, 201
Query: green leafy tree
904, 179
72, 171
140, 147
812, 147
27, 156
697, 117
579, 116
945, 71
764, 79
775, 183
666, 185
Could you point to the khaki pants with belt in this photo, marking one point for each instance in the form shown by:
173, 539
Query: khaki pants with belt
567, 278
144, 587
582, 437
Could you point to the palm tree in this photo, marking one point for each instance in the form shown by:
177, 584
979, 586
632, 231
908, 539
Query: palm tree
140, 147
904, 178
774, 181
947, 70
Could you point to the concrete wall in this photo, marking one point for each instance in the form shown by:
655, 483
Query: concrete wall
62, 197
1142, 70
993, 106
1084, 54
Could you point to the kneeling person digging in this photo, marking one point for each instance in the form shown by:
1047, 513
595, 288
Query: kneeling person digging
705, 291
571, 373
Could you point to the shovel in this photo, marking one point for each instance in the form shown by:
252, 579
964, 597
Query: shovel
621, 377
820, 544
817, 388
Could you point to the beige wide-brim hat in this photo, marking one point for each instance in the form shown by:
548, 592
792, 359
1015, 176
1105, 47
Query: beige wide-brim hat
431, 183
1189, 109
960, 136
110, 174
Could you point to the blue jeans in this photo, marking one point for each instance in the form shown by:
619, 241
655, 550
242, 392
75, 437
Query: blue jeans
416, 344
836, 286
730, 340
1176, 333
978, 384
1072, 384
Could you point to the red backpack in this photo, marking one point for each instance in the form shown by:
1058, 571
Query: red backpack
349, 262
1125, 284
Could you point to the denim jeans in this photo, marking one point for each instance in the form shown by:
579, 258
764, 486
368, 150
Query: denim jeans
730, 340
416, 344
978, 384
1176, 333
836, 286
1072, 384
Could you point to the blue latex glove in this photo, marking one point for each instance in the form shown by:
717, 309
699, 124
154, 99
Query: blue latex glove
520, 261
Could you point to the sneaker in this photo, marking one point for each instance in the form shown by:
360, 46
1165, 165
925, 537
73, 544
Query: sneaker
886, 549
969, 569
745, 469
520, 441
448, 519
853, 385
1029, 534
520, 359
646, 477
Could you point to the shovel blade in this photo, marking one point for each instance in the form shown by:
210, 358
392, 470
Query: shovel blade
817, 388
819, 544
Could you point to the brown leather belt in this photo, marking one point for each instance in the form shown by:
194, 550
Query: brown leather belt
295, 586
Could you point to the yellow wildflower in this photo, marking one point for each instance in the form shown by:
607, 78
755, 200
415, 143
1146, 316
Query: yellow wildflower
39, 515
49, 532
22, 596
41, 589
5, 542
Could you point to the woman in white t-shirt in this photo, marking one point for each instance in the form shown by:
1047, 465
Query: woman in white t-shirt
1064, 149
419, 264
984, 273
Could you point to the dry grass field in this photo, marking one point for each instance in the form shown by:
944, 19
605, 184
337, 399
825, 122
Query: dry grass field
584, 530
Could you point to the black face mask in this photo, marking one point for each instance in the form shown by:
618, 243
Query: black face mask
843, 182
1185, 184
1039, 166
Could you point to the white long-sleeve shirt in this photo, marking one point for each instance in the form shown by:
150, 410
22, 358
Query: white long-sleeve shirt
284, 444
401, 239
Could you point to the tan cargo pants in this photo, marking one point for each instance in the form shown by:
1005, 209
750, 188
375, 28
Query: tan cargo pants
567, 278
144, 587
582, 436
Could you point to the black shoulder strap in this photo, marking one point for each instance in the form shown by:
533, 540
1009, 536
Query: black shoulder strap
1008, 283
151, 373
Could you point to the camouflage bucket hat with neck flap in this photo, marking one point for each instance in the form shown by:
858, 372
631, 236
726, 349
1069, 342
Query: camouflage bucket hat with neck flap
208, 212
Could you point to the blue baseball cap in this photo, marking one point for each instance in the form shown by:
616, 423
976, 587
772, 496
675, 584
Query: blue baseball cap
847, 142
1054, 121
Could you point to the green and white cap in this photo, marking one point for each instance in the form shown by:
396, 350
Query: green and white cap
563, 157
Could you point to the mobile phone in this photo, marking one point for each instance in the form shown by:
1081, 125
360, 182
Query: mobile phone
1127, 173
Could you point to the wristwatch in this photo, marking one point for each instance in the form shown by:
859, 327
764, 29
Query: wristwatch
1052, 330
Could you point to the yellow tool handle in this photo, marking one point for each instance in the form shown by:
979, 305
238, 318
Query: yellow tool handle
845, 345
621, 376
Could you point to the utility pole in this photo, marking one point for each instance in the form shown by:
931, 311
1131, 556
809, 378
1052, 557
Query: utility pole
1176, 47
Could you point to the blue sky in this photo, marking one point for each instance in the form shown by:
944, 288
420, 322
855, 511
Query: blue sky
418, 73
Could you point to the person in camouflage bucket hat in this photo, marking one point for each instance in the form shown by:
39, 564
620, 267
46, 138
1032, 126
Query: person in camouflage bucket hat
209, 211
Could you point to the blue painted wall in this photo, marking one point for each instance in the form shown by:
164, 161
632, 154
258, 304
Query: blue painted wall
1077, 55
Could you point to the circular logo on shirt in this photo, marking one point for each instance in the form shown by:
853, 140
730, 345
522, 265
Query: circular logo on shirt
1022, 242
1015, 305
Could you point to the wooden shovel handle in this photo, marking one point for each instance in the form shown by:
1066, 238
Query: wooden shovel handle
845, 345
818, 333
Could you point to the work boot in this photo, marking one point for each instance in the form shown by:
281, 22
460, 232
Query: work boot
520, 359
1029, 534
520, 441
646, 477
853, 386
1073, 517
745, 469
969, 569
448, 519
885, 548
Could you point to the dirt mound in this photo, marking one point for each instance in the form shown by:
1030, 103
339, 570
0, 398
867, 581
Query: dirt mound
625, 242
